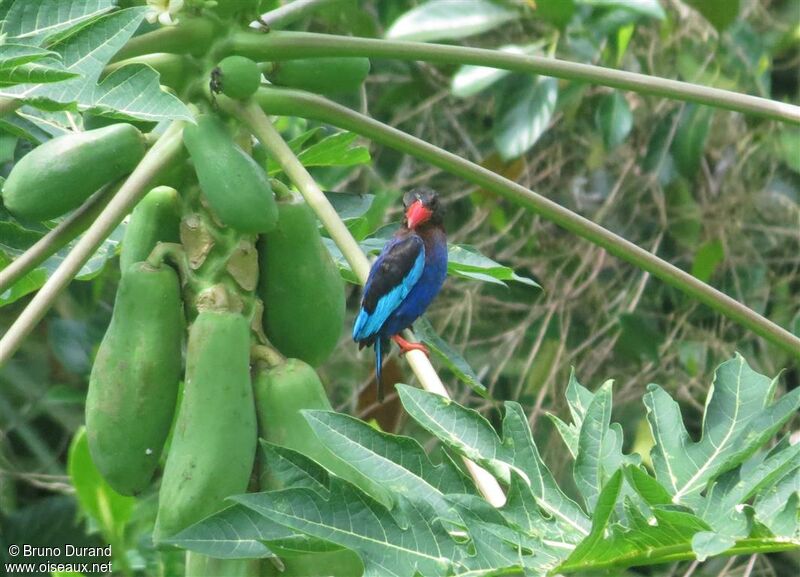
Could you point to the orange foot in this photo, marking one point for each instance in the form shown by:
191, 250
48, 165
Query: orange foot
405, 346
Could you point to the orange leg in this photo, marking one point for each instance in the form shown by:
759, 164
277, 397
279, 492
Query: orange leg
406, 346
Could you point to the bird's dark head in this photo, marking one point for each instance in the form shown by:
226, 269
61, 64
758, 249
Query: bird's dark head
422, 207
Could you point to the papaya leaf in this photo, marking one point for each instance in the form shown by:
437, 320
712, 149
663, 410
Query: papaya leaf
130, 92
437, 524
134, 92
464, 430
14, 55
35, 21
739, 417
43, 71
349, 518
397, 463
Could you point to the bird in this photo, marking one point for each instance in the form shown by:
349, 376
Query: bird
404, 279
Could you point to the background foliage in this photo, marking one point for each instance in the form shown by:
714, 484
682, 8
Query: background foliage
716, 193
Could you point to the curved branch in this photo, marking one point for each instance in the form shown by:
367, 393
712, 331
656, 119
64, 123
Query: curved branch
283, 45
305, 105
159, 156
258, 122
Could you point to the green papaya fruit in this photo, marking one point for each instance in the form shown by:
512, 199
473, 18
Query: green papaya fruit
302, 290
134, 380
214, 439
236, 188
59, 175
237, 77
281, 393
155, 219
327, 75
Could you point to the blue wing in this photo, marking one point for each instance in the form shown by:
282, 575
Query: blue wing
391, 278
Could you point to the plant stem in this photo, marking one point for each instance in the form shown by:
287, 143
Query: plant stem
57, 238
258, 122
266, 354
9, 105
288, 13
305, 105
174, 253
283, 45
134, 188
189, 36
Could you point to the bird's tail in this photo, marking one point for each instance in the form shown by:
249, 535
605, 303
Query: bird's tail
379, 344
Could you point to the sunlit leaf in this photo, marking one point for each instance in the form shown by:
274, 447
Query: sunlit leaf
524, 115
448, 19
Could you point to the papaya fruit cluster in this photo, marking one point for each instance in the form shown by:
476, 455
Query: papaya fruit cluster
233, 244
213, 266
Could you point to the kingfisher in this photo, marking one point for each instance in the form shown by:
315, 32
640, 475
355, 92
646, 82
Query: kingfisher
405, 278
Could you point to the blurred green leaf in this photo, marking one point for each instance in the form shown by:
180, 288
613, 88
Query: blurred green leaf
335, 150
706, 260
720, 13
683, 213
638, 337
110, 510
557, 12
690, 139
525, 108
34, 22
350, 206
650, 8
449, 19
613, 119
469, 80
789, 146
447, 355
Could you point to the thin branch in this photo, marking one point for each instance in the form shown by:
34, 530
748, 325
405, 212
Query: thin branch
288, 13
305, 105
283, 45
258, 122
134, 188
57, 238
